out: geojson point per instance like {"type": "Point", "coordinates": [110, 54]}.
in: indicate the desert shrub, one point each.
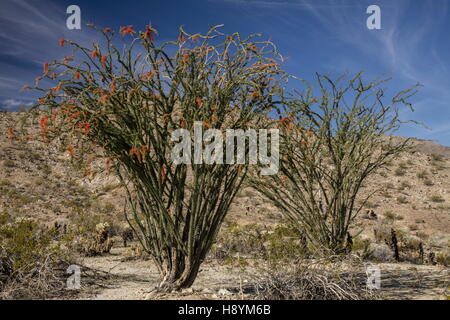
{"type": "Point", "coordinates": [437, 166]}
{"type": "Point", "coordinates": [246, 240]}
{"type": "Point", "coordinates": [437, 198]}
{"type": "Point", "coordinates": [91, 234]}
{"type": "Point", "coordinates": [5, 183]}
{"type": "Point", "coordinates": [389, 185]}
{"type": "Point", "coordinates": [437, 157]}
{"type": "Point", "coordinates": [402, 199]}
{"type": "Point", "coordinates": [362, 247]}
{"type": "Point", "coordinates": [311, 282]}
{"type": "Point", "coordinates": [360, 243]}
{"type": "Point", "coordinates": [127, 235]}
{"type": "Point", "coordinates": [101, 243]}
{"type": "Point", "coordinates": [403, 165]}
{"type": "Point", "coordinates": [382, 231]}
{"type": "Point", "coordinates": [285, 243]}
{"type": "Point", "coordinates": [136, 252]}
{"type": "Point", "coordinates": [422, 235]}
{"type": "Point", "coordinates": [110, 187]}
{"type": "Point", "coordinates": [255, 242]}
{"type": "Point", "coordinates": [410, 247]}
{"type": "Point", "coordinates": [422, 174]}
{"type": "Point", "coordinates": [404, 185]}
{"type": "Point", "coordinates": [389, 215]}
{"type": "Point", "coordinates": [329, 149]}
{"type": "Point", "coordinates": [443, 258]}
{"type": "Point", "coordinates": [33, 261]}
{"type": "Point", "coordinates": [9, 164]}
{"type": "Point", "coordinates": [386, 194]}
{"type": "Point", "coordinates": [409, 242]}
{"type": "Point", "coordinates": [399, 172]}
{"type": "Point", "coordinates": [443, 207]}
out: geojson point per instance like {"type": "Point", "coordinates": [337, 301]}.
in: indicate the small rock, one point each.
{"type": "Point", "coordinates": [207, 290]}
{"type": "Point", "coordinates": [187, 290]}
{"type": "Point", "coordinates": [224, 292]}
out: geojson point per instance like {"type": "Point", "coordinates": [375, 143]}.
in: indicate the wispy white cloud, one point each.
{"type": "Point", "coordinates": [409, 47]}
{"type": "Point", "coordinates": [399, 46]}
{"type": "Point", "coordinates": [284, 4]}
{"type": "Point", "coordinates": [31, 31]}
{"type": "Point", "coordinates": [29, 36]}
{"type": "Point", "coordinates": [13, 104]}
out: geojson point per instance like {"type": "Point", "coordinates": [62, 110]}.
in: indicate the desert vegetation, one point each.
{"type": "Point", "coordinates": [330, 149]}
{"type": "Point", "coordinates": [88, 178]}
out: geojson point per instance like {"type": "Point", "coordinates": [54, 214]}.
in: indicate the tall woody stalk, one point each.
{"type": "Point", "coordinates": [125, 104]}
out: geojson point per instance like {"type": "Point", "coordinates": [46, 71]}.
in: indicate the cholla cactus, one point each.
{"type": "Point", "coordinates": [123, 105]}
{"type": "Point", "coordinates": [101, 243]}
{"type": "Point", "coordinates": [102, 228]}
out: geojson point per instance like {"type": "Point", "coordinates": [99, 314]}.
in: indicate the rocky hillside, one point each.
{"type": "Point", "coordinates": [40, 181]}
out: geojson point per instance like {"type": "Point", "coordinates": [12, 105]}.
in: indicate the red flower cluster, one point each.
{"type": "Point", "coordinates": [43, 123]}
{"type": "Point", "coordinates": [86, 126]}
{"type": "Point", "coordinates": [74, 116]}
{"type": "Point", "coordinates": [127, 30]}
{"type": "Point", "coordinates": [285, 121]}
{"type": "Point", "coordinates": [149, 75]}
{"type": "Point", "coordinates": [70, 150]}
{"type": "Point", "coordinates": [304, 143]}
{"type": "Point", "coordinates": [94, 54]}
{"type": "Point", "coordinates": [103, 61]}
{"type": "Point", "coordinates": [10, 133]}
{"type": "Point", "coordinates": [255, 95]}
{"type": "Point", "coordinates": [144, 150]}
{"type": "Point", "coordinates": [137, 153]}
{"type": "Point", "coordinates": [149, 33]}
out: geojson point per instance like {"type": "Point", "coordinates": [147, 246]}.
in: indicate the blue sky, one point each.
{"type": "Point", "coordinates": [317, 35]}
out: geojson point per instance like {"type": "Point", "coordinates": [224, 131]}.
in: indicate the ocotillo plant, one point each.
{"type": "Point", "coordinates": [332, 141]}
{"type": "Point", "coordinates": [123, 105]}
